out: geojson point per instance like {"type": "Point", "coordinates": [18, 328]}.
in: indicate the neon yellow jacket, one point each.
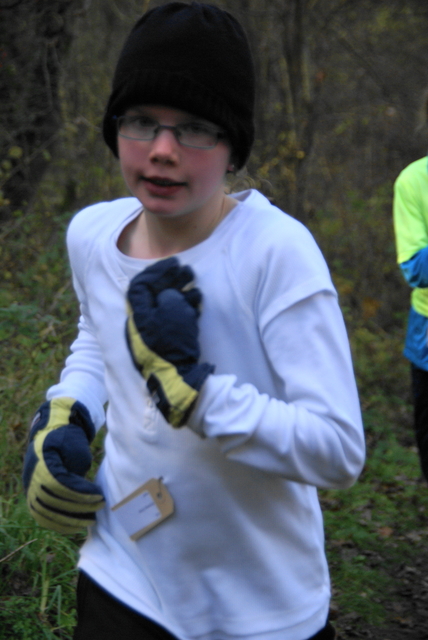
{"type": "Point", "coordinates": [411, 228]}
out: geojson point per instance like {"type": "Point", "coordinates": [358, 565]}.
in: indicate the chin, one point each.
{"type": "Point", "coordinates": [162, 212]}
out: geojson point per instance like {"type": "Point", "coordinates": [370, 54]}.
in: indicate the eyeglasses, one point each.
{"type": "Point", "coordinates": [188, 134]}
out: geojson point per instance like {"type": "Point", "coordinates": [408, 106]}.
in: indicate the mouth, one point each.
{"type": "Point", "coordinates": [163, 182]}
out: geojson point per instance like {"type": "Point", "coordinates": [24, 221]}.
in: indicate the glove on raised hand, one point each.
{"type": "Point", "coordinates": [57, 459]}
{"type": "Point", "coordinates": [162, 335]}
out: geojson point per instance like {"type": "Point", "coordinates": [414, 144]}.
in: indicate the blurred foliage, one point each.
{"type": "Point", "coordinates": [34, 39]}
{"type": "Point", "coordinates": [340, 85]}
{"type": "Point", "coordinates": [357, 240]}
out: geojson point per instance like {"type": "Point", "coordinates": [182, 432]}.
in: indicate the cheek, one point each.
{"type": "Point", "coordinates": [208, 177]}
{"type": "Point", "coordinates": [212, 169]}
{"type": "Point", "coordinates": [129, 154]}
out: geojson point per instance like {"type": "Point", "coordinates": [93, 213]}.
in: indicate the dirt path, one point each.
{"type": "Point", "coordinates": [406, 604]}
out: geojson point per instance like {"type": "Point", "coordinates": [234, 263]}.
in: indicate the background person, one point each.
{"type": "Point", "coordinates": [410, 209]}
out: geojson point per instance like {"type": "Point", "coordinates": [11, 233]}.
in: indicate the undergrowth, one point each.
{"type": "Point", "coordinates": [378, 522]}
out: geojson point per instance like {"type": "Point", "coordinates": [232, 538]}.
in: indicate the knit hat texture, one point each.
{"type": "Point", "coordinates": [193, 57]}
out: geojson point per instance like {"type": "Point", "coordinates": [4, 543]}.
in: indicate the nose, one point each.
{"type": "Point", "coordinates": [164, 147]}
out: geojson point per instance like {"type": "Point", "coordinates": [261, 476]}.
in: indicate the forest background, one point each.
{"type": "Point", "coordinates": [341, 111]}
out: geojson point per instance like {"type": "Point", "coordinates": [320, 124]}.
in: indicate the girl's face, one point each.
{"type": "Point", "coordinates": [169, 179]}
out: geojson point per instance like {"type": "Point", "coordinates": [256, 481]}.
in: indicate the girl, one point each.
{"type": "Point", "coordinates": [211, 329]}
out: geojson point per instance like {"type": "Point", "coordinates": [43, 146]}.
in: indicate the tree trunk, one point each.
{"type": "Point", "coordinates": [34, 37]}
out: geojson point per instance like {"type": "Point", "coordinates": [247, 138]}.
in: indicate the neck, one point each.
{"type": "Point", "coordinates": [151, 236]}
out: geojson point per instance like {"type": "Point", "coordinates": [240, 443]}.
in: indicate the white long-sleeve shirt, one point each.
{"type": "Point", "coordinates": [243, 553]}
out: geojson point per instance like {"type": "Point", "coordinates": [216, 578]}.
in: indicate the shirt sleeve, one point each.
{"type": "Point", "coordinates": [312, 432]}
{"type": "Point", "coordinates": [411, 234]}
{"type": "Point", "coordinates": [83, 375]}
{"type": "Point", "coordinates": [415, 270]}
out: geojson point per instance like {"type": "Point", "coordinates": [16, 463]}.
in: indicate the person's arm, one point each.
{"type": "Point", "coordinates": [410, 228]}
{"type": "Point", "coordinates": [410, 233]}
{"type": "Point", "coordinates": [313, 432]}
{"type": "Point", "coordinates": [58, 454]}
{"type": "Point", "coordinates": [83, 375]}
{"type": "Point", "coordinates": [415, 270]}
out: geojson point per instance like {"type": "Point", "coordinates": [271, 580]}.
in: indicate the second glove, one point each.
{"type": "Point", "coordinates": [162, 335]}
{"type": "Point", "coordinates": [57, 458]}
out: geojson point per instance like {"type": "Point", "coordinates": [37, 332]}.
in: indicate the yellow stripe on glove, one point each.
{"type": "Point", "coordinates": [162, 378]}
{"type": "Point", "coordinates": [162, 334]}
{"type": "Point", "coordinates": [57, 458]}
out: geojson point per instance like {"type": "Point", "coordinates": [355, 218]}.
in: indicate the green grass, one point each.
{"type": "Point", "coordinates": [37, 323]}
{"type": "Point", "coordinates": [370, 528]}
{"type": "Point", "coordinates": [379, 524]}
{"type": "Point", "coordinates": [37, 590]}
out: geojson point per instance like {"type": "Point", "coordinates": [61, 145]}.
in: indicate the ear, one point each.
{"type": "Point", "coordinates": [232, 165]}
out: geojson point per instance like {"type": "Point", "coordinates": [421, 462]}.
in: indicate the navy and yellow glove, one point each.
{"type": "Point", "coordinates": [56, 461]}
{"type": "Point", "coordinates": [162, 335]}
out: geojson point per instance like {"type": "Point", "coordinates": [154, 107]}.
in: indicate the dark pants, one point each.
{"type": "Point", "coordinates": [101, 617]}
{"type": "Point", "coordinates": [420, 399]}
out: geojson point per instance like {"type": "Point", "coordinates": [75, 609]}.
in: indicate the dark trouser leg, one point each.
{"type": "Point", "coordinates": [328, 633]}
{"type": "Point", "coordinates": [101, 617]}
{"type": "Point", "coordinates": [420, 399]}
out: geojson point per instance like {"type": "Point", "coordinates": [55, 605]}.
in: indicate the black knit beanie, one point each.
{"type": "Point", "coordinates": [193, 57]}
